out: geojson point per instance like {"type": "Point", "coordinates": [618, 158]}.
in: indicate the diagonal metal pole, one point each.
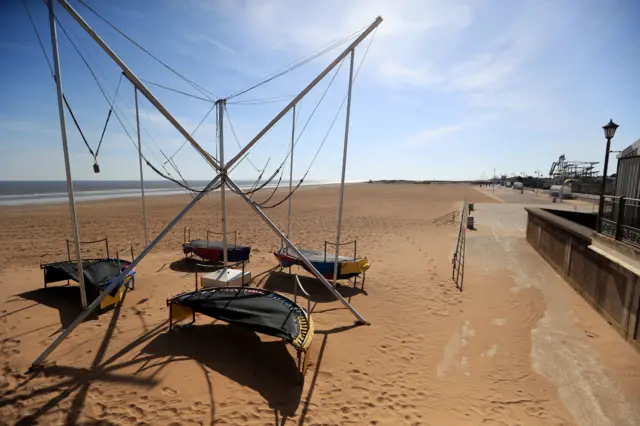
{"type": "Point", "coordinates": [344, 169]}
{"type": "Point", "coordinates": [136, 82]}
{"type": "Point", "coordinates": [223, 199]}
{"type": "Point", "coordinates": [65, 150]}
{"type": "Point", "coordinates": [293, 134]}
{"type": "Point", "coordinates": [144, 207]}
{"type": "Point", "coordinates": [41, 359]}
{"type": "Point", "coordinates": [306, 90]}
{"type": "Point", "coordinates": [293, 248]}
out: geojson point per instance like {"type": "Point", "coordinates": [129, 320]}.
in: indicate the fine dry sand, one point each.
{"type": "Point", "coordinates": [124, 367]}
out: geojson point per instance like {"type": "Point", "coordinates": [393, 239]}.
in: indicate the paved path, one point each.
{"type": "Point", "coordinates": [591, 371]}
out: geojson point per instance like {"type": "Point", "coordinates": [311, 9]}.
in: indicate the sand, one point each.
{"type": "Point", "coordinates": [410, 366]}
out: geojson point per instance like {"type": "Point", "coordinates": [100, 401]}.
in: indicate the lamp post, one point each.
{"type": "Point", "coordinates": [609, 133]}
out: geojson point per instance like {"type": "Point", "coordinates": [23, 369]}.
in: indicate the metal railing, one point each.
{"type": "Point", "coordinates": [457, 260]}
{"type": "Point", "coordinates": [621, 219]}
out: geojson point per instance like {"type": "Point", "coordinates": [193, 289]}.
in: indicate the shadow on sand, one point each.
{"type": "Point", "coordinates": [239, 354]}
{"type": "Point", "coordinates": [284, 283]}
{"type": "Point", "coordinates": [66, 299]}
{"type": "Point", "coordinates": [191, 265]}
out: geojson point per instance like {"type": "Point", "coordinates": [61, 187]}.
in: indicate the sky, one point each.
{"type": "Point", "coordinates": [447, 89]}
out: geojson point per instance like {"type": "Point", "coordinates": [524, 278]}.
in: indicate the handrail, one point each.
{"type": "Point", "coordinates": [295, 294]}
{"type": "Point", "coordinates": [341, 244]}
{"type": "Point", "coordinates": [457, 259]}
{"type": "Point", "coordinates": [130, 248]}
{"type": "Point", "coordinates": [68, 242]}
{"type": "Point", "coordinates": [355, 248]}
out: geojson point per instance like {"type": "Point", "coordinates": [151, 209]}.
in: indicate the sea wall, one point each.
{"type": "Point", "coordinates": [611, 289]}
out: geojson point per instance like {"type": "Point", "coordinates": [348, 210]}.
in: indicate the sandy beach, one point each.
{"type": "Point", "coordinates": [432, 355]}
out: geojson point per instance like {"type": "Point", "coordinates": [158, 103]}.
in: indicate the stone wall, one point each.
{"type": "Point", "coordinates": [611, 289]}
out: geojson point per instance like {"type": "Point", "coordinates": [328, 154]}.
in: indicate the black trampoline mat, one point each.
{"type": "Point", "coordinates": [316, 256]}
{"type": "Point", "coordinates": [203, 244]}
{"type": "Point", "coordinates": [96, 272]}
{"type": "Point", "coordinates": [256, 309]}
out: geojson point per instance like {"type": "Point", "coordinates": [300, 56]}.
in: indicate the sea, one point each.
{"type": "Point", "coordinates": [20, 193]}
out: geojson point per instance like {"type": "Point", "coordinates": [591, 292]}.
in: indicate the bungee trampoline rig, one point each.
{"type": "Point", "coordinates": [256, 308]}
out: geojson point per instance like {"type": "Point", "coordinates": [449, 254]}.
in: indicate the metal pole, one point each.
{"type": "Point", "coordinates": [136, 82]}
{"type": "Point", "coordinates": [304, 260]}
{"type": "Point", "coordinates": [65, 150]}
{"type": "Point", "coordinates": [223, 201]}
{"type": "Point", "coordinates": [293, 132]}
{"type": "Point", "coordinates": [344, 169]}
{"type": "Point", "coordinates": [493, 182]}
{"type": "Point", "coordinates": [123, 274]}
{"type": "Point", "coordinates": [603, 185]}
{"type": "Point", "coordinates": [144, 208]}
{"type": "Point", "coordinates": [306, 90]}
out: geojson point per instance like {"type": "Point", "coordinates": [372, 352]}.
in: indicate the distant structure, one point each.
{"type": "Point", "coordinates": [565, 169]}
{"type": "Point", "coordinates": [580, 176]}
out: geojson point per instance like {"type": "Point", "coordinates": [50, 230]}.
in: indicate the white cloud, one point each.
{"type": "Point", "coordinates": [479, 49]}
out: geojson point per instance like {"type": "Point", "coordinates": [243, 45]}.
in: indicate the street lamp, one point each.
{"type": "Point", "coordinates": [609, 132]}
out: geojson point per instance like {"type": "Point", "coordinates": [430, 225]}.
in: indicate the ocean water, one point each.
{"type": "Point", "coordinates": [19, 193]}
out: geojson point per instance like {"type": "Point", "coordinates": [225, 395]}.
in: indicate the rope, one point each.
{"type": "Point", "coordinates": [176, 90]}
{"type": "Point", "coordinates": [188, 188]}
{"type": "Point", "coordinates": [95, 157]}
{"type": "Point", "coordinates": [306, 123]}
{"type": "Point", "coordinates": [185, 185]}
{"type": "Point", "coordinates": [273, 192]}
{"type": "Point", "coordinates": [263, 100]}
{"type": "Point", "coordinates": [297, 65]}
{"type": "Point", "coordinates": [199, 88]}
{"type": "Point", "coordinates": [124, 115]}
{"type": "Point", "coordinates": [66, 102]}
{"type": "Point", "coordinates": [35, 30]}
{"type": "Point", "coordinates": [107, 99]}
{"type": "Point", "coordinates": [326, 135]}
{"type": "Point", "coordinates": [192, 133]}
{"type": "Point", "coordinates": [236, 136]}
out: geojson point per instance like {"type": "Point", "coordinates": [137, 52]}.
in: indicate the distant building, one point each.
{"type": "Point", "coordinates": [628, 174]}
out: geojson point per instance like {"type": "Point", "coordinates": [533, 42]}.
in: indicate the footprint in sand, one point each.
{"type": "Point", "coordinates": [200, 406]}
{"type": "Point", "coordinates": [96, 392]}
{"type": "Point", "coordinates": [169, 392]}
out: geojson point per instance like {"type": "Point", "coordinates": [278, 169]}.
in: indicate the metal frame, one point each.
{"type": "Point", "coordinates": [221, 168]}
{"type": "Point", "coordinates": [344, 170]}
{"type": "Point", "coordinates": [144, 207]}
{"type": "Point", "coordinates": [458, 257]}
{"type": "Point", "coordinates": [65, 150]}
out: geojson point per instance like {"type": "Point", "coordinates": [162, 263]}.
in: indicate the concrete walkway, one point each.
{"type": "Point", "coordinates": [595, 373]}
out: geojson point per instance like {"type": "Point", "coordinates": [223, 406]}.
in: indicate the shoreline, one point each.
{"type": "Point", "coordinates": [48, 199]}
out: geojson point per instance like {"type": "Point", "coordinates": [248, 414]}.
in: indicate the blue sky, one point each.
{"type": "Point", "coordinates": [449, 89]}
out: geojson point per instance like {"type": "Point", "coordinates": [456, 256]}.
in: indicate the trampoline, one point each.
{"type": "Point", "coordinates": [213, 250]}
{"type": "Point", "coordinates": [348, 267]}
{"type": "Point", "coordinates": [98, 274]}
{"type": "Point", "coordinates": [256, 309]}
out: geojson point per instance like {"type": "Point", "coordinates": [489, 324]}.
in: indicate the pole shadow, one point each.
{"type": "Point", "coordinates": [284, 283]}
{"type": "Point", "coordinates": [240, 355]}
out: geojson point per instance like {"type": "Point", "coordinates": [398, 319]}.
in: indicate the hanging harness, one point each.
{"type": "Point", "coordinates": [96, 166]}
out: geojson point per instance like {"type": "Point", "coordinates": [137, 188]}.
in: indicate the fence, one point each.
{"type": "Point", "coordinates": [457, 260]}
{"type": "Point", "coordinates": [621, 219]}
